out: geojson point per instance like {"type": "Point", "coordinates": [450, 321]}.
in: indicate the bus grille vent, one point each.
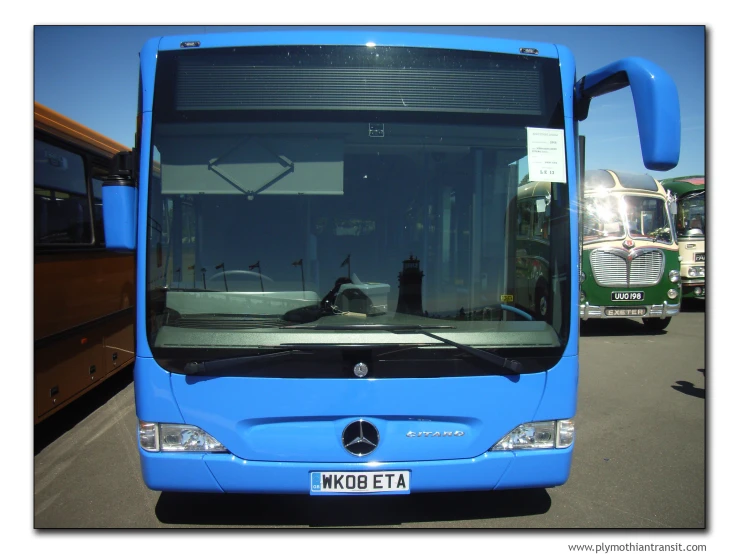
{"type": "Point", "coordinates": [611, 268]}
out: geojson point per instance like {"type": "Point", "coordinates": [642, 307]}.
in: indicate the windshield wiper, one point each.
{"type": "Point", "coordinates": [238, 365]}
{"type": "Point", "coordinates": [229, 365]}
{"type": "Point", "coordinates": [513, 366]}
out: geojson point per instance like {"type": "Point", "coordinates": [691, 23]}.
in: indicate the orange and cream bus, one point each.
{"type": "Point", "coordinates": [83, 293]}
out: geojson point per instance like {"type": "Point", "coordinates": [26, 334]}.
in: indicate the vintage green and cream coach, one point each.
{"type": "Point", "coordinates": [630, 260]}
{"type": "Point", "coordinates": [690, 224]}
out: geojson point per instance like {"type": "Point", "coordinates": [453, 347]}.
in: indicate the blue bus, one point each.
{"type": "Point", "coordinates": [326, 228]}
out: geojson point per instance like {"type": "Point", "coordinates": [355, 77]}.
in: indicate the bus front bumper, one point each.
{"type": "Point", "coordinates": [193, 472]}
{"type": "Point", "coordinates": [694, 288]}
{"type": "Point", "coordinates": [661, 311]}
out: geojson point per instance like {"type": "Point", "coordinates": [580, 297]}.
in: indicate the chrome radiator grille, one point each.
{"type": "Point", "coordinates": [613, 268]}
{"type": "Point", "coordinates": [647, 269]}
{"type": "Point", "coordinates": [608, 268]}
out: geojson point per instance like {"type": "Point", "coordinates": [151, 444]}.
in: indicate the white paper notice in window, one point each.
{"type": "Point", "coordinates": [546, 149]}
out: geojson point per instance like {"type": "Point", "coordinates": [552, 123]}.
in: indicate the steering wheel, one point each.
{"type": "Point", "coordinates": [244, 272]}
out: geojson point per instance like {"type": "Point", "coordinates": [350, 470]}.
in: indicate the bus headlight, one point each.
{"type": "Point", "coordinates": [701, 271]}
{"type": "Point", "coordinates": [565, 433]}
{"type": "Point", "coordinates": [672, 293]}
{"type": "Point", "coordinates": [674, 275]}
{"type": "Point", "coordinates": [149, 436]}
{"type": "Point", "coordinates": [582, 276]}
{"type": "Point", "coordinates": [176, 437]}
{"type": "Point", "coordinates": [538, 434]}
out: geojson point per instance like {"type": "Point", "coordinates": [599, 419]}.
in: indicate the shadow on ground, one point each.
{"type": "Point", "coordinates": [686, 387]}
{"type": "Point", "coordinates": [65, 419]}
{"type": "Point", "coordinates": [305, 510]}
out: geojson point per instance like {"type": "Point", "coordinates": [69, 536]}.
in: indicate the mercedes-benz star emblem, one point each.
{"type": "Point", "coordinates": [360, 437]}
{"type": "Point", "coordinates": [361, 369]}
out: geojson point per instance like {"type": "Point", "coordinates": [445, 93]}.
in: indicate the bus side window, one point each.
{"type": "Point", "coordinates": [61, 206]}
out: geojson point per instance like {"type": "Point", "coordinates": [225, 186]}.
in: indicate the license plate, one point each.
{"type": "Point", "coordinates": [353, 482]}
{"type": "Point", "coordinates": [625, 296]}
{"type": "Point", "coordinates": [700, 257]}
{"type": "Point", "coordinates": [628, 312]}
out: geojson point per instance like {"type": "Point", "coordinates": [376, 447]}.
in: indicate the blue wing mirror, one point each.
{"type": "Point", "coordinates": [655, 101]}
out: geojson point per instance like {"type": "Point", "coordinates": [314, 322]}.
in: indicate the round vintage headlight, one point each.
{"type": "Point", "coordinates": [701, 271]}
{"type": "Point", "coordinates": [674, 275]}
{"type": "Point", "coordinates": [582, 276]}
{"type": "Point", "coordinates": [692, 272]}
{"type": "Point", "coordinates": [672, 293]}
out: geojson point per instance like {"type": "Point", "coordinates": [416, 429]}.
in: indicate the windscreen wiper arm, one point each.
{"type": "Point", "coordinates": [229, 365]}
{"type": "Point", "coordinates": [237, 365]}
{"type": "Point", "coordinates": [513, 366]}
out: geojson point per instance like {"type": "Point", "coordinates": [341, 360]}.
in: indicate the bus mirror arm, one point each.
{"type": "Point", "coordinates": [121, 166]}
{"type": "Point", "coordinates": [584, 95]}
{"type": "Point", "coordinates": [655, 101]}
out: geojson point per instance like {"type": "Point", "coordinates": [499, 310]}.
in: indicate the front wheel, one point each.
{"type": "Point", "coordinates": [656, 324]}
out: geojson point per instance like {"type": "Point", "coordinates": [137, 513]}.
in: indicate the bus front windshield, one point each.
{"type": "Point", "coordinates": [265, 231]}
{"type": "Point", "coordinates": [691, 215]}
{"type": "Point", "coordinates": [613, 216]}
{"type": "Point", "coordinates": [647, 218]}
{"type": "Point", "coordinates": [603, 219]}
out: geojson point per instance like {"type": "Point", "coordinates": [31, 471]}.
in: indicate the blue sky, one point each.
{"type": "Point", "coordinates": [90, 74]}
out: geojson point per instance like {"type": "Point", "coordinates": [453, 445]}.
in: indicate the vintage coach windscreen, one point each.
{"type": "Point", "coordinates": [691, 216]}
{"type": "Point", "coordinates": [346, 195]}
{"type": "Point", "coordinates": [609, 217]}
